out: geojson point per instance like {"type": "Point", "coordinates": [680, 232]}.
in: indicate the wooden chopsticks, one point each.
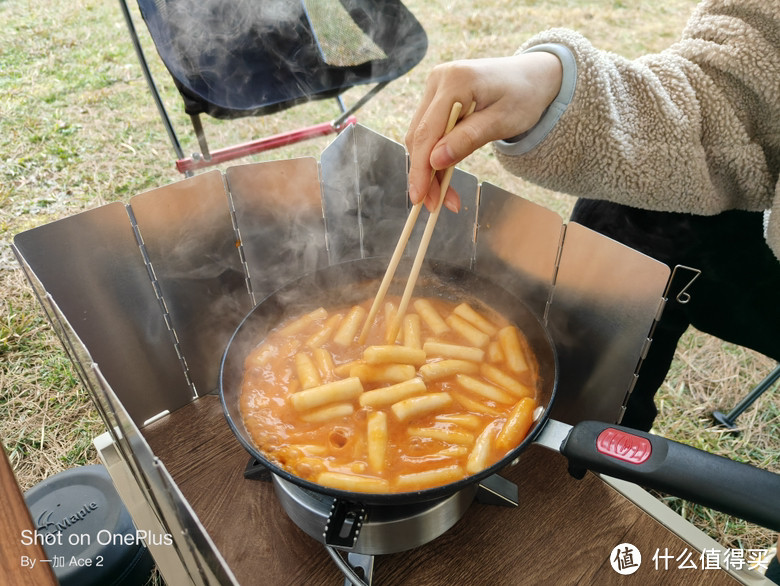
{"type": "Point", "coordinates": [394, 328]}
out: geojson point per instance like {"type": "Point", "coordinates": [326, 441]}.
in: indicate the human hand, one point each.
{"type": "Point", "coordinates": [511, 94]}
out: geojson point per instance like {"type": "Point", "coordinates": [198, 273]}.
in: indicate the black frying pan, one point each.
{"type": "Point", "coordinates": [651, 461]}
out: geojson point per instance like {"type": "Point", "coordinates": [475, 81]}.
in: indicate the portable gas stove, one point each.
{"type": "Point", "coordinates": [365, 531]}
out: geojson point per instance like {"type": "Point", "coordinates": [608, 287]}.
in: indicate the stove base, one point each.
{"type": "Point", "coordinates": [385, 529]}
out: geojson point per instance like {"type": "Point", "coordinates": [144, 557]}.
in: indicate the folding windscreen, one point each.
{"type": "Point", "coordinates": [146, 295]}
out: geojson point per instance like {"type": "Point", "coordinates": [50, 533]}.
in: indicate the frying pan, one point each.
{"type": "Point", "coordinates": [734, 488]}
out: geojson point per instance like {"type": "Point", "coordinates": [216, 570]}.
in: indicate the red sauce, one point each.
{"type": "Point", "coordinates": [308, 399]}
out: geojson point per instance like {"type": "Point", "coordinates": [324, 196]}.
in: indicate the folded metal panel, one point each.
{"type": "Point", "coordinates": [278, 213]}
{"type": "Point", "coordinates": [364, 194]}
{"type": "Point", "coordinates": [90, 264]}
{"type": "Point", "coordinates": [606, 299]}
{"type": "Point", "coordinates": [191, 248]}
{"type": "Point", "coordinates": [518, 244]}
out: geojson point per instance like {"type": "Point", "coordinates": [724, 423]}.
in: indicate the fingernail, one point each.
{"type": "Point", "coordinates": [441, 157]}
{"type": "Point", "coordinates": [451, 205]}
{"type": "Point", "coordinates": [414, 194]}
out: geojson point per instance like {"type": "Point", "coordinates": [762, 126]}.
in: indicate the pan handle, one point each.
{"type": "Point", "coordinates": [737, 489]}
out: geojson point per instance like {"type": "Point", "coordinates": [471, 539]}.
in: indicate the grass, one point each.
{"type": "Point", "coordinates": [709, 375]}
{"type": "Point", "coordinates": [78, 129]}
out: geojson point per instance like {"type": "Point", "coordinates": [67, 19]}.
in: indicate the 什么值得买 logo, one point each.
{"type": "Point", "coordinates": [625, 559]}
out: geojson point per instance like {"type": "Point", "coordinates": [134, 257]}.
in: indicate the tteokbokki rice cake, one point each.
{"type": "Point", "coordinates": [451, 396]}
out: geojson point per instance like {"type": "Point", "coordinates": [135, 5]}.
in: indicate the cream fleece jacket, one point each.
{"type": "Point", "coordinates": [695, 128]}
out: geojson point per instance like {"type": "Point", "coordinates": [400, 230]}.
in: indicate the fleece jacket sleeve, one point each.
{"type": "Point", "coordinates": [695, 128]}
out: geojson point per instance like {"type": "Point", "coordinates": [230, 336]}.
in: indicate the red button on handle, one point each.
{"type": "Point", "coordinates": [623, 446]}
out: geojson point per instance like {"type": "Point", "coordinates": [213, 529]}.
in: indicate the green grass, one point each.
{"type": "Point", "coordinates": [78, 129]}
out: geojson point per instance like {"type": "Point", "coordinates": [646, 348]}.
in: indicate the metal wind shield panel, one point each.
{"type": "Point", "coordinates": [90, 265]}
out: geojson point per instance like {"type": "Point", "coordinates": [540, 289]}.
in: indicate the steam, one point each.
{"type": "Point", "coordinates": [252, 55]}
{"type": "Point", "coordinates": [204, 24]}
{"type": "Point", "coordinates": [341, 40]}
{"type": "Point", "coordinates": [222, 44]}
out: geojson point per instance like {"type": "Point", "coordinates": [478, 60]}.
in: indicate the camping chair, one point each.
{"type": "Point", "coordinates": [232, 59]}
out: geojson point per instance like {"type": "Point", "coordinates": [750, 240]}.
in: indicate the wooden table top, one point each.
{"type": "Point", "coordinates": [563, 531]}
{"type": "Point", "coordinates": [20, 556]}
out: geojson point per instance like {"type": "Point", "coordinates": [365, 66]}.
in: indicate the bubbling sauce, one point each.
{"type": "Point", "coordinates": [451, 396]}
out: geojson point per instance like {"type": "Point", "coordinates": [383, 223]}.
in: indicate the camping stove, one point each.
{"type": "Point", "coordinates": [370, 529]}
{"type": "Point", "coordinates": [360, 532]}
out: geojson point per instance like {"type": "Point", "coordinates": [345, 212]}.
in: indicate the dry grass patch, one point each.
{"type": "Point", "coordinates": [709, 375]}
{"type": "Point", "coordinates": [48, 421]}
